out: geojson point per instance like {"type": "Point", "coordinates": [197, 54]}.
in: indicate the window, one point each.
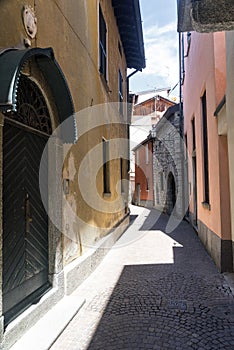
{"type": "Point", "coordinates": [161, 181]}
{"type": "Point", "coordinates": [120, 49]}
{"type": "Point", "coordinates": [122, 174]}
{"type": "Point", "coordinates": [147, 184]}
{"type": "Point", "coordinates": [106, 166]}
{"type": "Point", "coordinates": [102, 45]}
{"type": "Point", "coordinates": [147, 153]}
{"type": "Point", "coordinates": [194, 134]}
{"type": "Point", "coordinates": [137, 157]}
{"type": "Point", "coordinates": [205, 150]}
{"type": "Point", "coordinates": [186, 146]}
{"type": "Point", "coordinates": [120, 93]}
{"type": "Point", "coordinates": [188, 42]}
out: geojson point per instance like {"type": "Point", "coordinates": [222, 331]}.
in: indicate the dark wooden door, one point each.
{"type": "Point", "coordinates": [25, 221]}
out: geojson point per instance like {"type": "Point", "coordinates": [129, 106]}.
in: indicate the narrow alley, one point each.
{"type": "Point", "coordinates": [153, 291]}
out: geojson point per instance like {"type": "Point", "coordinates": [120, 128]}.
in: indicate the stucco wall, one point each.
{"type": "Point", "coordinates": [205, 70]}
{"type": "Point", "coordinates": [71, 29]}
{"type": "Point", "coordinates": [230, 123]}
{"type": "Point", "coordinates": [144, 171]}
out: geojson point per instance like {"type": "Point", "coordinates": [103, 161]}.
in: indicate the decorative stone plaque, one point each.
{"type": "Point", "coordinates": [30, 21]}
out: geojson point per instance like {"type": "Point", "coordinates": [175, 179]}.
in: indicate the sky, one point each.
{"type": "Point", "coordinates": [159, 19]}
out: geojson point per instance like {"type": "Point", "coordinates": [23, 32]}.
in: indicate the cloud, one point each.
{"type": "Point", "coordinates": [156, 30]}
{"type": "Point", "coordinates": [161, 52]}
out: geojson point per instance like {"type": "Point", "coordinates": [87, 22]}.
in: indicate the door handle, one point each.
{"type": "Point", "coordinates": [28, 218]}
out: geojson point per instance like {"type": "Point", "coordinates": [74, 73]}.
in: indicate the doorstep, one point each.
{"type": "Point", "coordinates": [45, 332]}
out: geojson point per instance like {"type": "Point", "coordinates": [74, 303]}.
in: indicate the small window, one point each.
{"type": "Point", "coordinates": [147, 153]}
{"type": "Point", "coordinates": [120, 93]}
{"type": "Point", "coordinates": [205, 150]}
{"type": "Point", "coordinates": [120, 49]}
{"type": "Point", "coordinates": [188, 41]}
{"type": "Point", "coordinates": [147, 184]}
{"type": "Point", "coordinates": [122, 174]}
{"type": "Point", "coordinates": [137, 160]}
{"type": "Point", "coordinates": [186, 146]}
{"type": "Point", "coordinates": [102, 45]}
{"type": "Point", "coordinates": [194, 134]}
{"type": "Point", "coordinates": [106, 166]}
{"type": "Point", "coordinates": [162, 181]}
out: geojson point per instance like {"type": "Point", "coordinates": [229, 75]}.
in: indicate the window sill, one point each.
{"type": "Point", "coordinates": [107, 194]}
{"type": "Point", "coordinates": [206, 205]}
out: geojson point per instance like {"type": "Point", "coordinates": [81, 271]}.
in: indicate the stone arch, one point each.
{"type": "Point", "coordinates": [12, 62]}
{"type": "Point", "coordinates": [38, 69]}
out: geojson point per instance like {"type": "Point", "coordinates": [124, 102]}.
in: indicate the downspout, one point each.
{"type": "Point", "coordinates": [129, 111]}
{"type": "Point", "coordinates": [183, 167]}
{"type": "Point", "coordinates": [181, 120]}
{"type": "Point", "coordinates": [181, 73]}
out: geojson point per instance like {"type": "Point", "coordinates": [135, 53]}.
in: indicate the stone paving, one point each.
{"type": "Point", "coordinates": [153, 291]}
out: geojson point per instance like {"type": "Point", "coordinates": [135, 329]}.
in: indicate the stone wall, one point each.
{"type": "Point", "coordinates": [168, 169]}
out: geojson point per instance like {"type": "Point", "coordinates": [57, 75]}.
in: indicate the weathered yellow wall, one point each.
{"type": "Point", "coordinates": [71, 29]}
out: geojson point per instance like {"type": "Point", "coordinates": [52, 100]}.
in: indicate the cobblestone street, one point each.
{"type": "Point", "coordinates": [153, 291]}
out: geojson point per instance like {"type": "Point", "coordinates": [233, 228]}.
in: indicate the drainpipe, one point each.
{"type": "Point", "coordinates": [181, 73]}
{"type": "Point", "coordinates": [181, 57]}
{"type": "Point", "coordinates": [184, 170]}
{"type": "Point", "coordinates": [127, 81]}
{"type": "Point", "coordinates": [128, 112]}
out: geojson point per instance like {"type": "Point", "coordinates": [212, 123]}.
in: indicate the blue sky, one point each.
{"type": "Point", "coordinates": [161, 46]}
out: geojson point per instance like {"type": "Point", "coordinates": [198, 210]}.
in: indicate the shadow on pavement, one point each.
{"type": "Point", "coordinates": [183, 305]}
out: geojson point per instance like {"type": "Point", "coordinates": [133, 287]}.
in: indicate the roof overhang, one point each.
{"type": "Point", "coordinates": [12, 62]}
{"type": "Point", "coordinates": [128, 17]}
{"type": "Point", "coordinates": [205, 15]}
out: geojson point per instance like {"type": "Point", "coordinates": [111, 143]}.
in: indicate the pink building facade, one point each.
{"type": "Point", "coordinates": [208, 170]}
{"type": "Point", "coordinates": [144, 193]}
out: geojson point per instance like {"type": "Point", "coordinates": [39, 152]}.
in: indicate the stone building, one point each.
{"type": "Point", "coordinates": [63, 78]}
{"type": "Point", "coordinates": [147, 111]}
{"type": "Point", "coordinates": [168, 158]}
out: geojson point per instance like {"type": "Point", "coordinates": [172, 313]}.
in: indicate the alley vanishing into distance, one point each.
{"type": "Point", "coordinates": [153, 291]}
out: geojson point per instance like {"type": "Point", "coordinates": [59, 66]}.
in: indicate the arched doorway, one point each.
{"type": "Point", "coordinates": [25, 221]}
{"type": "Point", "coordinates": [171, 193]}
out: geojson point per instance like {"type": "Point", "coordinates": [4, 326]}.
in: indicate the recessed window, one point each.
{"type": "Point", "coordinates": [205, 150]}
{"type": "Point", "coordinates": [102, 45]}
{"type": "Point", "coordinates": [106, 166]}
{"type": "Point", "coordinates": [122, 174]}
{"type": "Point", "coordinates": [162, 181]}
{"type": "Point", "coordinates": [194, 134]}
{"type": "Point", "coordinates": [120, 49]}
{"type": "Point", "coordinates": [120, 93]}
{"type": "Point", "coordinates": [186, 146]}
{"type": "Point", "coordinates": [137, 157]}
{"type": "Point", "coordinates": [147, 184]}
{"type": "Point", "coordinates": [147, 153]}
